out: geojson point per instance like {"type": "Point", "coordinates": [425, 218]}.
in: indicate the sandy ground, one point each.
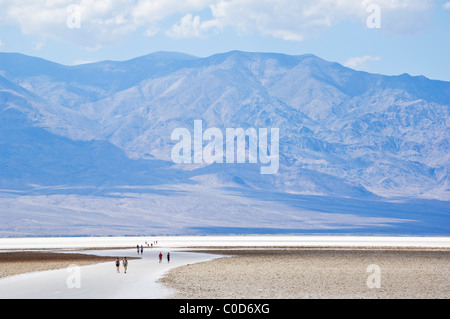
{"type": "Point", "coordinates": [315, 273]}
{"type": "Point", "coordinates": [15, 263]}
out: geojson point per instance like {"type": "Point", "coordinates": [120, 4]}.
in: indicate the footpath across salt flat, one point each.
{"type": "Point", "coordinates": [101, 281]}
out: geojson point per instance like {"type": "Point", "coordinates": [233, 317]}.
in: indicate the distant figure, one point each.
{"type": "Point", "coordinates": [160, 257]}
{"type": "Point", "coordinates": [168, 257]}
{"type": "Point", "coordinates": [137, 247]}
{"type": "Point", "coordinates": [142, 249]}
{"type": "Point", "coordinates": [118, 265]}
{"type": "Point", "coordinates": [151, 245]}
{"type": "Point", "coordinates": [125, 264]}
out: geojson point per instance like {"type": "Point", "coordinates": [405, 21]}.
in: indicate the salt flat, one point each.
{"type": "Point", "coordinates": [100, 281]}
{"type": "Point", "coordinates": [223, 241]}
{"type": "Point", "coordinates": [143, 279]}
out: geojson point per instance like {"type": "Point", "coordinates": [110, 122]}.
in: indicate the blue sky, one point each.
{"type": "Point", "coordinates": [380, 36]}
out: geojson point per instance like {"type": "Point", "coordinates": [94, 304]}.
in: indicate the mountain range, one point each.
{"type": "Point", "coordinates": [104, 129]}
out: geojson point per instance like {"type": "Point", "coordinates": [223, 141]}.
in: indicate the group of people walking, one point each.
{"type": "Point", "coordinates": [124, 262]}
{"type": "Point", "coordinates": [160, 256]}
{"type": "Point", "coordinates": [140, 250]}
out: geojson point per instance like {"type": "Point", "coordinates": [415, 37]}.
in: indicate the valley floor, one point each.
{"type": "Point", "coordinates": [227, 267]}
{"type": "Point", "coordinates": [316, 273]}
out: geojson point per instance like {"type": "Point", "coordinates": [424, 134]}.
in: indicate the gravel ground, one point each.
{"type": "Point", "coordinates": [315, 273]}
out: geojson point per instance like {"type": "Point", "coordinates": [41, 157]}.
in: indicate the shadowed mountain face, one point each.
{"type": "Point", "coordinates": [343, 133]}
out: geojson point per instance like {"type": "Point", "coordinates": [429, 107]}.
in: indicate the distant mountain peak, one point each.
{"type": "Point", "coordinates": [342, 131]}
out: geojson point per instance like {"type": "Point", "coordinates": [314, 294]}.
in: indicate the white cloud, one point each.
{"type": "Point", "coordinates": [298, 20]}
{"type": "Point", "coordinates": [192, 27]}
{"type": "Point", "coordinates": [108, 22]}
{"type": "Point", "coordinates": [285, 19]}
{"type": "Point", "coordinates": [103, 22]}
{"type": "Point", "coordinates": [446, 5]}
{"type": "Point", "coordinates": [360, 63]}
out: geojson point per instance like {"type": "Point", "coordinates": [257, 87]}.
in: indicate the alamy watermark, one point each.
{"type": "Point", "coordinates": [374, 279]}
{"type": "Point", "coordinates": [74, 19]}
{"type": "Point", "coordinates": [374, 19]}
{"type": "Point", "coordinates": [240, 145]}
{"type": "Point", "coordinates": [73, 280]}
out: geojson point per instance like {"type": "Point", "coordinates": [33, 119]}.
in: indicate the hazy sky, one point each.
{"type": "Point", "coordinates": [379, 36]}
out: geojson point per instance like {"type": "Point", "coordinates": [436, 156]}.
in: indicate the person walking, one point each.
{"type": "Point", "coordinates": [142, 249]}
{"type": "Point", "coordinates": [168, 257]}
{"type": "Point", "coordinates": [118, 265]}
{"type": "Point", "coordinates": [137, 247]}
{"type": "Point", "coordinates": [160, 257]}
{"type": "Point", "coordinates": [125, 264]}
